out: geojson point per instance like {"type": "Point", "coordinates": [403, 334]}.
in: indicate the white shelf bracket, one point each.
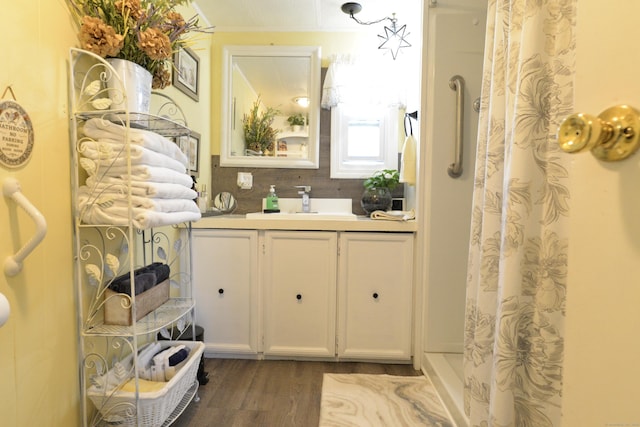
{"type": "Point", "coordinates": [11, 189]}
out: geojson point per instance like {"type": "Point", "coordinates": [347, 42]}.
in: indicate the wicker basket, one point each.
{"type": "Point", "coordinates": [119, 407]}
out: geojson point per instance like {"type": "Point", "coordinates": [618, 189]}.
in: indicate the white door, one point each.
{"type": "Point", "coordinates": [300, 293]}
{"type": "Point", "coordinates": [602, 352]}
{"type": "Point", "coordinates": [375, 292]}
{"type": "Point", "coordinates": [225, 276]}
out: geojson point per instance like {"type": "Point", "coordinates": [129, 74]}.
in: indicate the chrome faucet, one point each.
{"type": "Point", "coordinates": [304, 191]}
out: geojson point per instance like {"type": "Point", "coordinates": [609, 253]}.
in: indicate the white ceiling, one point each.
{"type": "Point", "coordinates": [299, 15]}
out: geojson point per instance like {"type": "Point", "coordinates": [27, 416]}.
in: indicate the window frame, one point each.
{"type": "Point", "coordinates": [347, 168]}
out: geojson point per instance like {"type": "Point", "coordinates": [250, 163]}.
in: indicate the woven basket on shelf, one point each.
{"type": "Point", "coordinates": [155, 407]}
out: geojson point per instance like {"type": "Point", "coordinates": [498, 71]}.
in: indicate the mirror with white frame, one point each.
{"type": "Point", "coordinates": [284, 82]}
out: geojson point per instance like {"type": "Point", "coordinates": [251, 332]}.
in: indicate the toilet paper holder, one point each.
{"type": "Point", "coordinates": [611, 136]}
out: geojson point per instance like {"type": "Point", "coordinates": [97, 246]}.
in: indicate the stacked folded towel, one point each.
{"type": "Point", "coordinates": [143, 180]}
{"type": "Point", "coordinates": [161, 364]}
{"type": "Point", "coordinates": [394, 215]}
{"type": "Point", "coordinates": [156, 365]}
{"type": "Point", "coordinates": [145, 278]}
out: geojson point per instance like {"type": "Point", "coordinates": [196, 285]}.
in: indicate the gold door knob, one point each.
{"type": "Point", "coordinates": [613, 135]}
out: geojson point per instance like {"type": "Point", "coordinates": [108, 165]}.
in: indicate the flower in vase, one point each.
{"type": "Point", "coordinates": [146, 32]}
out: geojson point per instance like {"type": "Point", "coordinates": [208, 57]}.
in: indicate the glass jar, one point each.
{"type": "Point", "coordinates": [376, 199]}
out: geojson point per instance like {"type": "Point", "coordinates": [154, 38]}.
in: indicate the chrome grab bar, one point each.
{"type": "Point", "coordinates": [457, 83]}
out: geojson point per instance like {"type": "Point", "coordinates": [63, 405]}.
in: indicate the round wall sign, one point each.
{"type": "Point", "coordinates": [16, 134]}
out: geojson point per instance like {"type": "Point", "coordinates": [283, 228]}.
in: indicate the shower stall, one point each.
{"type": "Point", "coordinates": [454, 32]}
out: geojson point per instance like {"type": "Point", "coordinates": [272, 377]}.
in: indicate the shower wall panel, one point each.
{"type": "Point", "coordinates": [455, 43]}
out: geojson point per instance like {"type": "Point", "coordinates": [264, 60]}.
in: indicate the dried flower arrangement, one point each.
{"type": "Point", "coordinates": [258, 133]}
{"type": "Point", "coordinates": [146, 32]}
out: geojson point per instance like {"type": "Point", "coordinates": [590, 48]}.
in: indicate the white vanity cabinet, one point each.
{"type": "Point", "coordinates": [333, 295]}
{"type": "Point", "coordinates": [375, 295]}
{"type": "Point", "coordinates": [226, 289]}
{"type": "Point", "coordinates": [299, 275]}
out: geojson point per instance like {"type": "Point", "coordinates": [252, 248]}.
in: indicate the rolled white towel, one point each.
{"type": "Point", "coordinates": [116, 201]}
{"type": "Point", "coordinates": [158, 190]}
{"type": "Point", "coordinates": [94, 213]}
{"type": "Point", "coordinates": [107, 155]}
{"type": "Point", "coordinates": [119, 205]}
{"type": "Point", "coordinates": [150, 219]}
{"type": "Point", "coordinates": [138, 172]}
{"type": "Point", "coordinates": [98, 128]}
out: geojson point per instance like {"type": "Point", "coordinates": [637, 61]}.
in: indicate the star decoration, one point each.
{"type": "Point", "coordinates": [394, 39]}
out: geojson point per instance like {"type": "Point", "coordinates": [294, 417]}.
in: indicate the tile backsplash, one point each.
{"type": "Point", "coordinates": [322, 186]}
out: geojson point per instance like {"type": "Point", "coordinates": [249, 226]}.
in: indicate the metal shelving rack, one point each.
{"type": "Point", "coordinates": [104, 251]}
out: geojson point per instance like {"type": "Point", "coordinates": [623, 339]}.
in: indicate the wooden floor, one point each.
{"type": "Point", "coordinates": [269, 393]}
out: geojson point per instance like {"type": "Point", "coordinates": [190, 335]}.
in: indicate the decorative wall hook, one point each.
{"type": "Point", "coordinates": [408, 117]}
{"type": "Point", "coordinates": [613, 135]}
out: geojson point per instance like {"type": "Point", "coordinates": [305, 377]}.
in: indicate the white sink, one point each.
{"type": "Point", "coordinates": [319, 209]}
{"type": "Point", "coordinates": [297, 216]}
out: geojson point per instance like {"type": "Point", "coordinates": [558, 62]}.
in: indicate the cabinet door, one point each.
{"type": "Point", "coordinates": [375, 295]}
{"type": "Point", "coordinates": [225, 270]}
{"type": "Point", "coordinates": [300, 293]}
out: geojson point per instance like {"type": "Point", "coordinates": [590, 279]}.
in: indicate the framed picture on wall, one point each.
{"type": "Point", "coordinates": [190, 146]}
{"type": "Point", "coordinates": [186, 74]}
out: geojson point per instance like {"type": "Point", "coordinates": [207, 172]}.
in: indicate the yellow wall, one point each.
{"type": "Point", "coordinates": [198, 113]}
{"type": "Point", "coordinates": [38, 367]}
{"type": "Point", "coordinates": [39, 383]}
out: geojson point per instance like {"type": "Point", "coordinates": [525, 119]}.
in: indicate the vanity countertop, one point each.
{"type": "Point", "coordinates": [362, 223]}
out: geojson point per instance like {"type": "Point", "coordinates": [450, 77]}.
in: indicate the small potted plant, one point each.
{"type": "Point", "coordinates": [378, 187]}
{"type": "Point", "coordinates": [296, 121]}
{"type": "Point", "coordinates": [259, 135]}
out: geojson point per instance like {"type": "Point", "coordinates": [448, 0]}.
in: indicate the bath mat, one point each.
{"type": "Point", "coordinates": [364, 400]}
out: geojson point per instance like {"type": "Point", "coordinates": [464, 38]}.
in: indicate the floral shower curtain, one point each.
{"type": "Point", "coordinates": [516, 284]}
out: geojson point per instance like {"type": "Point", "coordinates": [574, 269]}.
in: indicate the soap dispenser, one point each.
{"type": "Point", "coordinates": [272, 201]}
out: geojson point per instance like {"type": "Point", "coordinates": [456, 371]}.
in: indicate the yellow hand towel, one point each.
{"type": "Point", "coordinates": [408, 162]}
{"type": "Point", "coordinates": [145, 386]}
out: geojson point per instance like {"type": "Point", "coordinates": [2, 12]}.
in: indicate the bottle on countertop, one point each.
{"type": "Point", "coordinates": [203, 200]}
{"type": "Point", "coordinates": [272, 201]}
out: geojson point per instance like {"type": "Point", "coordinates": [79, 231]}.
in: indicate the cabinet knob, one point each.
{"type": "Point", "coordinates": [299, 297]}
{"type": "Point", "coordinates": [221, 291]}
{"type": "Point", "coordinates": [375, 295]}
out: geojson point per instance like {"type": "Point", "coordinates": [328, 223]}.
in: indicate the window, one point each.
{"type": "Point", "coordinates": [367, 98]}
{"type": "Point", "coordinates": [364, 139]}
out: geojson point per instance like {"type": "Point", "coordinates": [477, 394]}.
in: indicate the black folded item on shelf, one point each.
{"type": "Point", "coordinates": [145, 278]}
{"type": "Point", "coordinates": [178, 356]}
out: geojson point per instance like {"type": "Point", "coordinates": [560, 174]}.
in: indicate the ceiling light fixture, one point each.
{"type": "Point", "coordinates": [302, 101]}
{"type": "Point", "coordinates": [393, 38]}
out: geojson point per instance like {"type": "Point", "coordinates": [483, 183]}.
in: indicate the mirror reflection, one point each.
{"type": "Point", "coordinates": [271, 106]}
